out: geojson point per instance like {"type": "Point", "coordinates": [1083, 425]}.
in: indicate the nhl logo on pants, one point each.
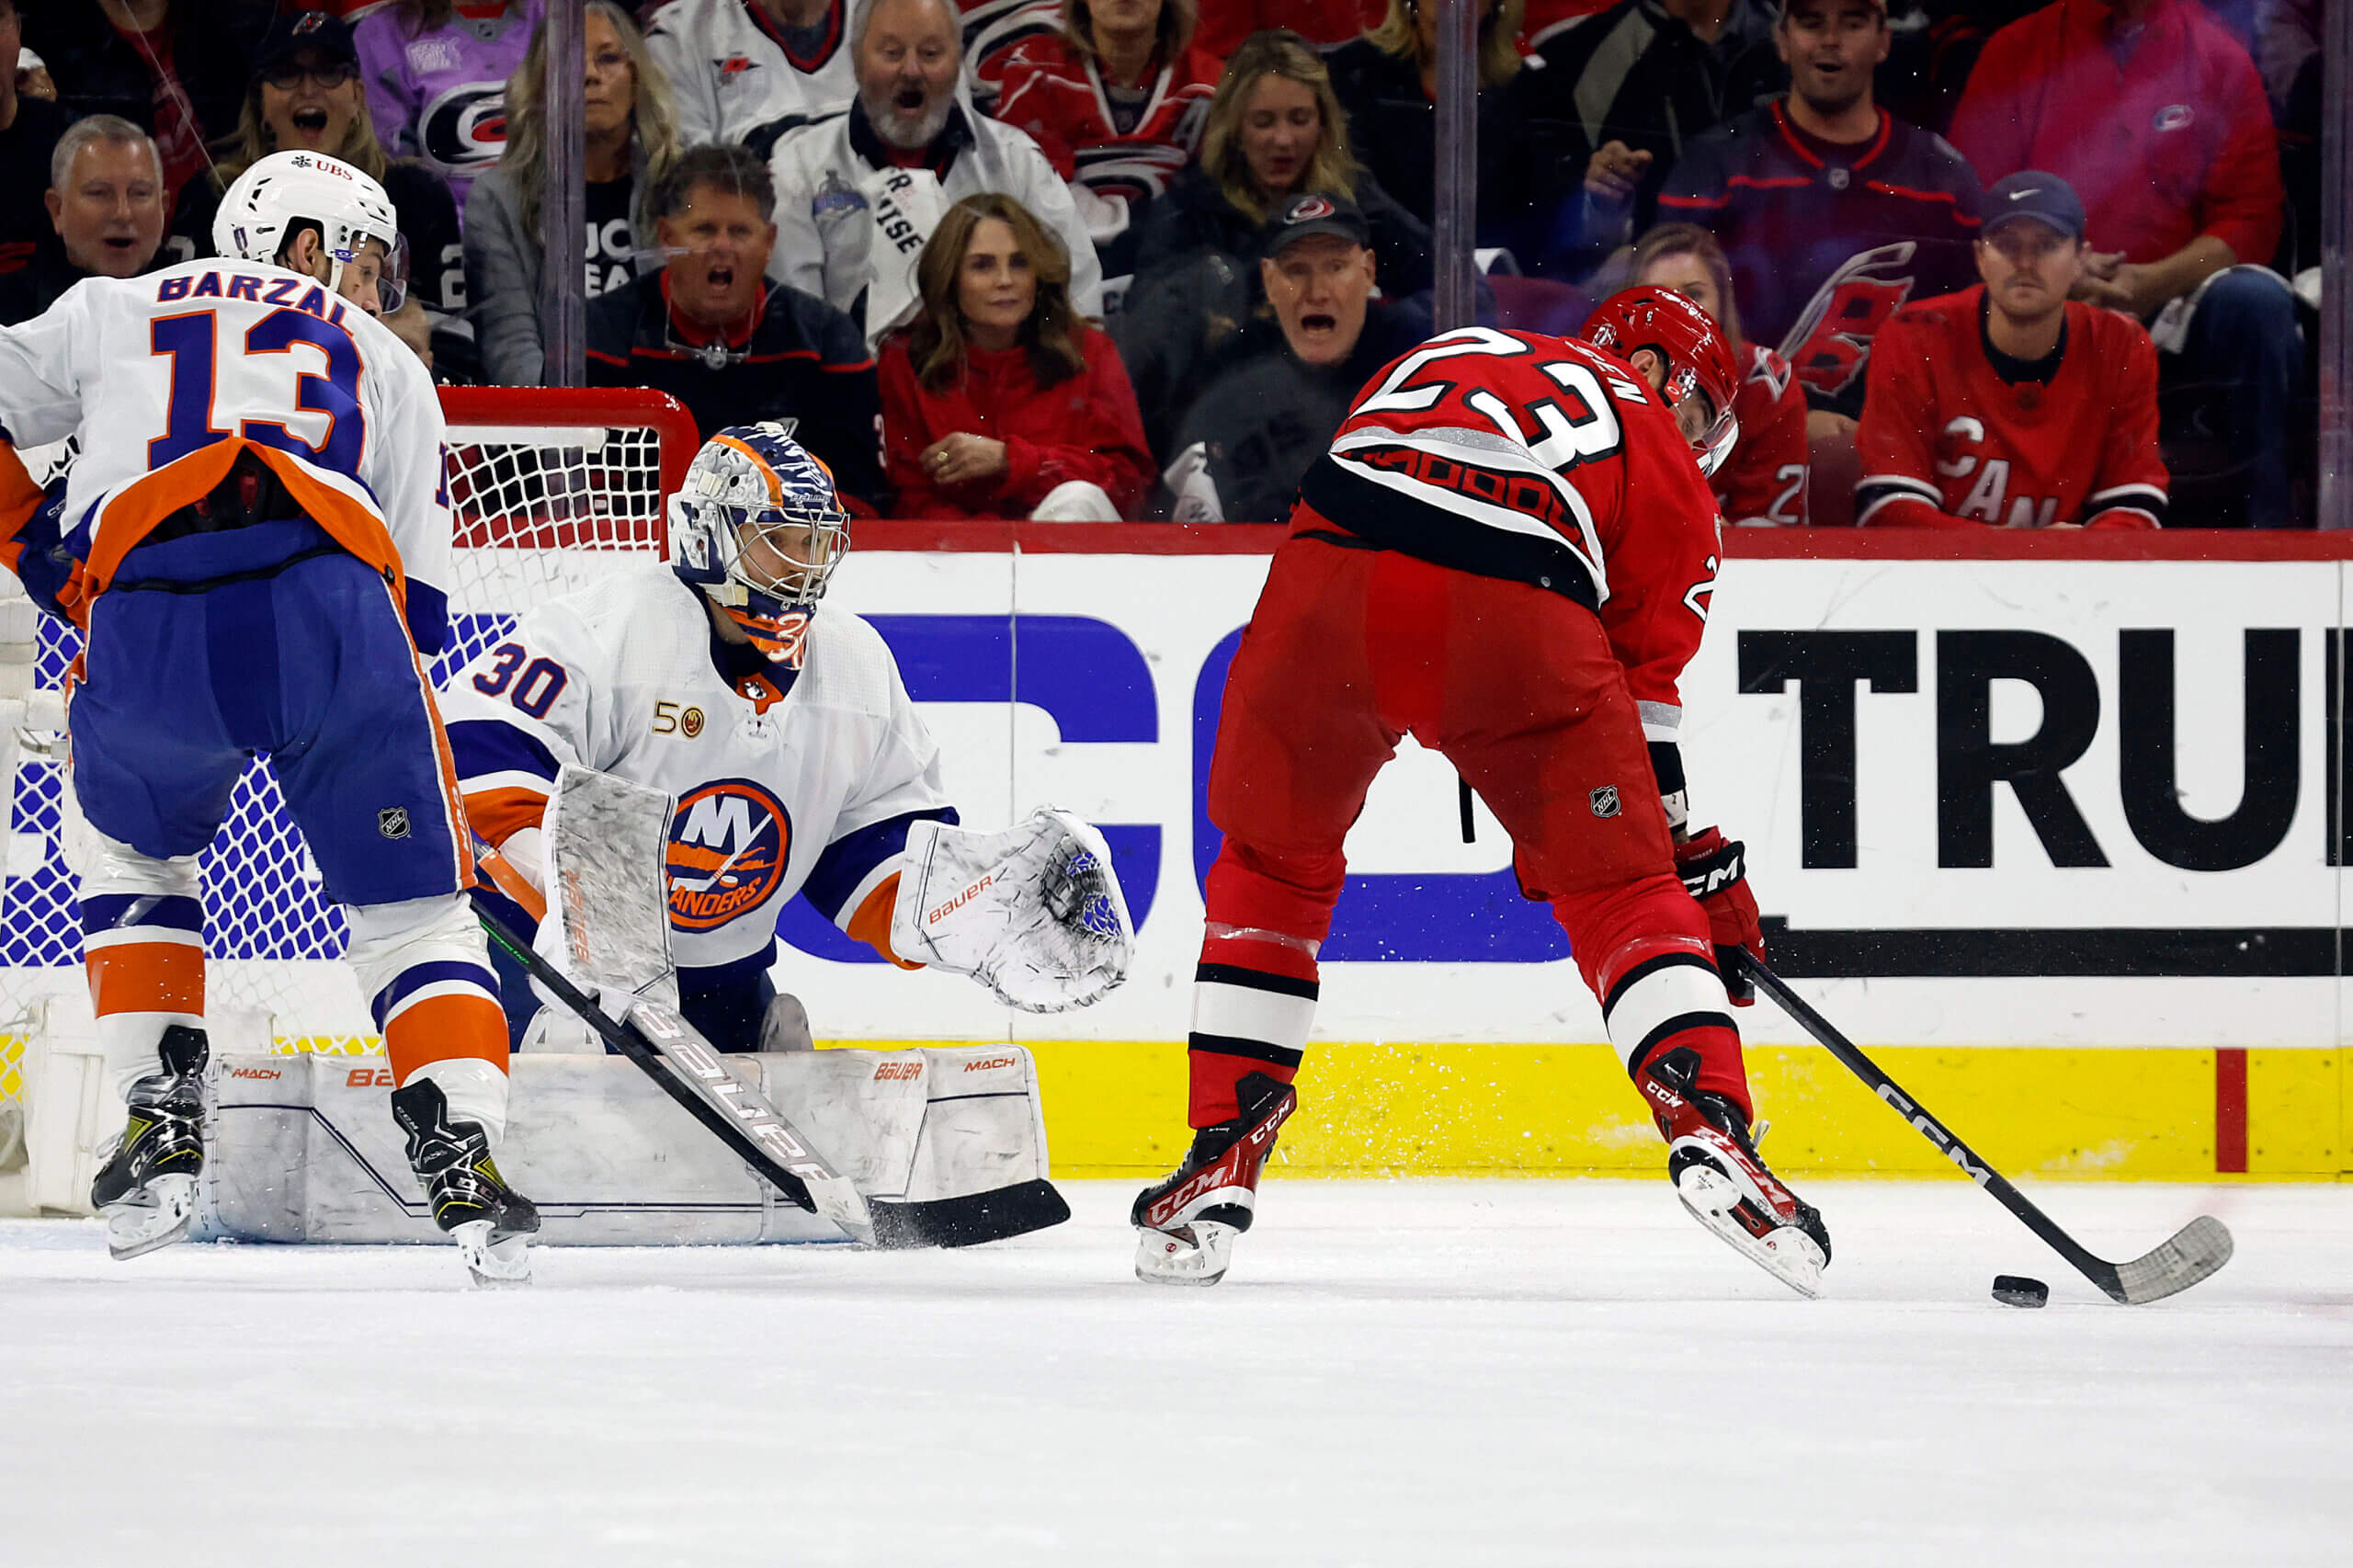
{"type": "Point", "coordinates": [1604, 800]}
{"type": "Point", "coordinates": [392, 821]}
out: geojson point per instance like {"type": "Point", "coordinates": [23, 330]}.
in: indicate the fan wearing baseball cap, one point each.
{"type": "Point", "coordinates": [2008, 404]}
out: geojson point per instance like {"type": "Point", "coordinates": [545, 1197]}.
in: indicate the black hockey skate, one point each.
{"type": "Point", "coordinates": [1189, 1220]}
{"type": "Point", "coordinates": [147, 1187]}
{"type": "Point", "coordinates": [492, 1223]}
{"type": "Point", "coordinates": [1713, 1161]}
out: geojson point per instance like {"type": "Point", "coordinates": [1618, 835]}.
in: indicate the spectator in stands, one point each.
{"type": "Point", "coordinates": [33, 80]}
{"type": "Point", "coordinates": [2155, 116]}
{"type": "Point", "coordinates": [1270, 404]}
{"type": "Point", "coordinates": [29, 131]}
{"type": "Point", "coordinates": [1275, 131]}
{"type": "Point", "coordinates": [436, 81]}
{"type": "Point", "coordinates": [712, 332]}
{"type": "Point", "coordinates": [629, 143]}
{"type": "Point", "coordinates": [1619, 99]}
{"type": "Point", "coordinates": [1115, 98]}
{"type": "Point", "coordinates": [176, 69]}
{"type": "Point", "coordinates": [1387, 83]}
{"type": "Point", "coordinates": [2009, 405]}
{"type": "Point", "coordinates": [1833, 211]}
{"type": "Point", "coordinates": [861, 190]}
{"type": "Point", "coordinates": [305, 94]}
{"type": "Point", "coordinates": [1322, 23]}
{"type": "Point", "coordinates": [994, 32]}
{"type": "Point", "coordinates": [1764, 482]}
{"type": "Point", "coordinates": [750, 70]}
{"type": "Point", "coordinates": [1001, 400]}
{"type": "Point", "coordinates": [105, 214]}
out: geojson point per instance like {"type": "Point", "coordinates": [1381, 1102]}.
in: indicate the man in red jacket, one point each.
{"type": "Point", "coordinates": [1509, 550]}
{"type": "Point", "coordinates": [2009, 405]}
{"type": "Point", "coordinates": [2156, 117]}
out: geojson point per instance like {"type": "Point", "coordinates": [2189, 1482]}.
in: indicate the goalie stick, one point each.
{"type": "Point", "coordinates": [2195, 1252]}
{"type": "Point", "coordinates": [692, 1073]}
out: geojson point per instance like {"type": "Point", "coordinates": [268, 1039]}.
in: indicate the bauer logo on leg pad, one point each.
{"type": "Point", "coordinates": [393, 822]}
{"type": "Point", "coordinates": [1604, 800]}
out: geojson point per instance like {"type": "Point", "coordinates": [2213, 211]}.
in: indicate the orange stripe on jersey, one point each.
{"type": "Point", "coordinates": [872, 924]}
{"type": "Point", "coordinates": [138, 506]}
{"type": "Point", "coordinates": [513, 883]}
{"type": "Point", "coordinates": [498, 814]}
{"type": "Point", "coordinates": [146, 977]}
{"type": "Point", "coordinates": [19, 499]}
{"type": "Point", "coordinates": [446, 1029]}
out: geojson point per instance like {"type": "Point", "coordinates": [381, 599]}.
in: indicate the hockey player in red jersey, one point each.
{"type": "Point", "coordinates": [1508, 552]}
{"type": "Point", "coordinates": [2009, 405]}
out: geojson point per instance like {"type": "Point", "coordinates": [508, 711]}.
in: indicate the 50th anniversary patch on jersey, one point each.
{"type": "Point", "coordinates": [729, 840]}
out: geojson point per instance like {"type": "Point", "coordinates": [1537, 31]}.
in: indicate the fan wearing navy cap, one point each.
{"type": "Point", "coordinates": [2007, 404]}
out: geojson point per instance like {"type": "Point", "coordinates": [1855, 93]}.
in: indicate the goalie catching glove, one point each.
{"type": "Point", "coordinates": [1031, 911]}
{"type": "Point", "coordinates": [1715, 872]}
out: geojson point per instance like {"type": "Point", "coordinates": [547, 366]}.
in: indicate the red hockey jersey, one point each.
{"type": "Point", "coordinates": [1055, 93]}
{"type": "Point", "coordinates": [1947, 443]}
{"type": "Point", "coordinates": [1537, 460]}
{"type": "Point", "coordinates": [1764, 482]}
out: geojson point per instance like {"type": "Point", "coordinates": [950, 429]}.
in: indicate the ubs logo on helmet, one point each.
{"type": "Point", "coordinates": [728, 844]}
{"type": "Point", "coordinates": [465, 129]}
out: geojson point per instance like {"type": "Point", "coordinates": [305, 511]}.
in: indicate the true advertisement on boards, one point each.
{"type": "Point", "coordinates": [1988, 802]}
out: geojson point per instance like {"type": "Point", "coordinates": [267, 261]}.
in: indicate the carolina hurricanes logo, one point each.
{"type": "Point", "coordinates": [1307, 208]}
{"type": "Point", "coordinates": [465, 129]}
{"type": "Point", "coordinates": [728, 845]}
{"type": "Point", "coordinates": [733, 65]}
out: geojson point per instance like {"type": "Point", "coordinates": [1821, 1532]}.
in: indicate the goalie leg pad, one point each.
{"type": "Point", "coordinates": [1033, 912]}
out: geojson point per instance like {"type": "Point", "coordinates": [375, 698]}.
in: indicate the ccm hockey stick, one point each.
{"type": "Point", "coordinates": [2196, 1251]}
{"type": "Point", "coordinates": [692, 1073]}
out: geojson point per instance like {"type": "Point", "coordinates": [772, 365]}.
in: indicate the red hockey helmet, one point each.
{"type": "Point", "coordinates": [1692, 348]}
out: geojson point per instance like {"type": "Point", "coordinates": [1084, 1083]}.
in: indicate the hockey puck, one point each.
{"type": "Point", "coordinates": [2018, 1290]}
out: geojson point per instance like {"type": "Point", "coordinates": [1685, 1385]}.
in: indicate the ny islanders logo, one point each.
{"type": "Point", "coordinates": [728, 844]}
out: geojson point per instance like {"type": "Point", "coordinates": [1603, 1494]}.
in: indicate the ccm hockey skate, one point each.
{"type": "Point", "coordinates": [492, 1223]}
{"type": "Point", "coordinates": [147, 1187]}
{"type": "Point", "coordinates": [1189, 1220]}
{"type": "Point", "coordinates": [1712, 1162]}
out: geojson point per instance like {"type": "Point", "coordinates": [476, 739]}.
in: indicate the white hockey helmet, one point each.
{"type": "Point", "coordinates": [747, 484]}
{"type": "Point", "coordinates": [261, 211]}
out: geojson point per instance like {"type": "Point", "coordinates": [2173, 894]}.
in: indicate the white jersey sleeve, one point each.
{"type": "Point", "coordinates": [41, 390]}
{"type": "Point", "coordinates": [407, 459]}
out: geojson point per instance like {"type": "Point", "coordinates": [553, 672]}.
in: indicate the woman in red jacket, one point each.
{"type": "Point", "coordinates": [1001, 401]}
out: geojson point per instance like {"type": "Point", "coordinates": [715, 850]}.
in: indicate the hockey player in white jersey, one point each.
{"type": "Point", "coordinates": [798, 762]}
{"type": "Point", "coordinates": [257, 540]}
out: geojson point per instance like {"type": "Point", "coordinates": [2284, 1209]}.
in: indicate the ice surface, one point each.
{"type": "Point", "coordinates": [1426, 1373]}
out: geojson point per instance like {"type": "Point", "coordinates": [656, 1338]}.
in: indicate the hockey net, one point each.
{"type": "Point", "coordinates": [550, 489]}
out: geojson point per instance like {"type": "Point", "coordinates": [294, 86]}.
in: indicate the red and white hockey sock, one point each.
{"type": "Point", "coordinates": [1254, 1001]}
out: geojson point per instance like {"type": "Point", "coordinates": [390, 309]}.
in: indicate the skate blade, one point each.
{"type": "Point", "coordinates": [1786, 1252]}
{"type": "Point", "coordinates": [152, 1219]}
{"type": "Point", "coordinates": [501, 1264]}
{"type": "Point", "coordinates": [1197, 1254]}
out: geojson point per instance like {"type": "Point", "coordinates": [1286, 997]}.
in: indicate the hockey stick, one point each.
{"type": "Point", "coordinates": [691, 1073]}
{"type": "Point", "coordinates": [2196, 1251]}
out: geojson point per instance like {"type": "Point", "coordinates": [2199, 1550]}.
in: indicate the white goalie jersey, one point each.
{"type": "Point", "coordinates": [804, 783]}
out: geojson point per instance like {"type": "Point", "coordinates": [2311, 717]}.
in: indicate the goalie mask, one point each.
{"type": "Point", "coordinates": [1694, 353]}
{"type": "Point", "coordinates": [758, 528]}
{"type": "Point", "coordinates": [279, 195]}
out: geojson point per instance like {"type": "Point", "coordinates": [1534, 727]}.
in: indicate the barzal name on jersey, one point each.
{"type": "Point", "coordinates": [1504, 454]}
{"type": "Point", "coordinates": [180, 370]}
{"type": "Point", "coordinates": [1949, 440]}
{"type": "Point", "coordinates": [788, 780]}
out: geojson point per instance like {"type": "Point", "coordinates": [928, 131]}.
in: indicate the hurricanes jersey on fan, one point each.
{"type": "Point", "coordinates": [1763, 484]}
{"type": "Point", "coordinates": [165, 375]}
{"type": "Point", "coordinates": [1946, 441]}
{"type": "Point", "coordinates": [1544, 461]}
{"type": "Point", "coordinates": [1827, 240]}
{"type": "Point", "coordinates": [735, 72]}
{"type": "Point", "coordinates": [787, 781]}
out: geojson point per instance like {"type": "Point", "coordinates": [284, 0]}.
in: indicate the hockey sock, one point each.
{"type": "Point", "coordinates": [1646, 952]}
{"type": "Point", "coordinates": [1253, 999]}
{"type": "Point", "coordinates": [144, 955]}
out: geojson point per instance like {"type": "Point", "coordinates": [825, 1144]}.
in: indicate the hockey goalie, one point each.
{"type": "Point", "coordinates": [798, 766]}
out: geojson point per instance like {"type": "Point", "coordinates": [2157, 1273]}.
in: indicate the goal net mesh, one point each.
{"type": "Point", "coordinates": [550, 490]}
